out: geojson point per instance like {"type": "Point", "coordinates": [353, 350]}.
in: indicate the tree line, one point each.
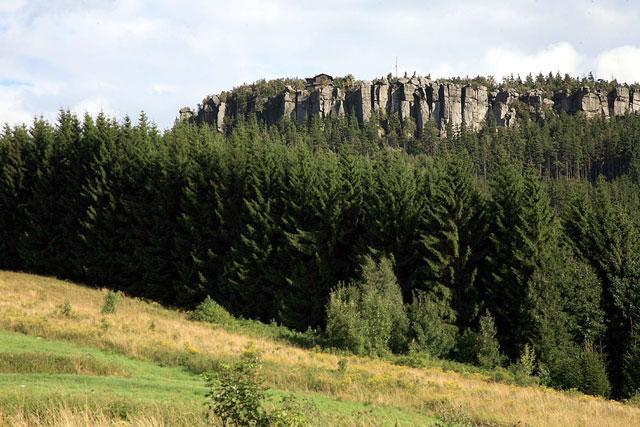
{"type": "Point", "coordinates": [481, 231]}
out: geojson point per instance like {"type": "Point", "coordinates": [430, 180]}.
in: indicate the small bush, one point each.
{"type": "Point", "coordinates": [211, 312]}
{"type": "Point", "coordinates": [594, 373]}
{"type": "Point", "coordinates": [104, 324]}
{"type": "Point", "coordinates": [431, 322]}
{"type": "Point", "coordinates": [237, 394]}
{"type": "Point", "coordinates": [580, 368]}
{"type": "Point", "coordinates": [65, 309]}
{"type": "Point", "coordinates": [368, 317]}
{"type": "Point", "coordinates": [526, 363]}
{"type": "Point", "coordinates": [466, 347]}
{"type": "Point", "coordinates": [110, 303]}
{"type": "Point", "coordinates": [290, 412]}
{"type": "Point", "coordinates": [488, 349]}
{"type": "Point", "coordinates": [342, 365]}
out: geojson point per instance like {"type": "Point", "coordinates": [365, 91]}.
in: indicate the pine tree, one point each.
{"type": "Point", "coordinates": [487, 347]}
{"type": "Point", "coordinates": [522, 233]}
{"type": "Point", "coordinates": [450, 241]}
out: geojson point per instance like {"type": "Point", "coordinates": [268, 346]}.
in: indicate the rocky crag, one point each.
{"type": "Point", "coordinates": [447, 105]}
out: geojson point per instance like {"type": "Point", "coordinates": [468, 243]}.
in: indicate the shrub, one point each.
{"type": "Point", "coordinates": [466, 347]}
{"type": "Point", "coordinates": [342, 365]}
{"type": "Point", "coordinates": [594, 373]}
{"type": "Point", "coordinates": [431, 321]}
{"type": "Point", "coordinates": [581, 368]}
{"type": "Point", "coordinates": [526, 363]}
{"type": "Point", "coordinates": [368, 317]}
{"type": "Point", "coordinates": [290, 412]}
{"type": "Point", "coordinates": [65, 309]}
{"type": "Point", "coordinates": [110, 303]}
{"type": "Point", "coordinates": [487, 347]}
{"type": "Point", "coordinates": [236, 395]}
{"type": "Point", "coordinates": [212, 312]}
{"type": "Point", "coordinates": [631, 366]}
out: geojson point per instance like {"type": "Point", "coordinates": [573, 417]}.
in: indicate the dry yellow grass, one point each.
{"type": "Point", "coordinates": [62, 416]}
{"type": "Point", "coordinates": [30, 304]}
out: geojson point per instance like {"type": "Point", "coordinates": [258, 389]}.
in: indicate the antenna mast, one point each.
{"type": "Point", "coordinates": [396, 67]}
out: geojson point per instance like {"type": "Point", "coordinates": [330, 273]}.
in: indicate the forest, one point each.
{"type": "Point", "coordinates": [492, 247]}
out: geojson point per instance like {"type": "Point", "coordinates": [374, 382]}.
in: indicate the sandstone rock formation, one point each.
{"type": "Point", "coordinates": [475, 107]}
{"type": "Point", "coordinates": [619, 101]}
{"type": "Point", "coordinates": [503, 107]}
{"type": "Point", "coordinates": [447, 105]}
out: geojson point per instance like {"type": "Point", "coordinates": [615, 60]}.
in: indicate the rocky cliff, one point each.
{"type": "Point", "coordinates": [447, 105]}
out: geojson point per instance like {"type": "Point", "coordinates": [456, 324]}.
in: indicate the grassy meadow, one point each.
{"type": "Point", "coordinates": [64, 362]}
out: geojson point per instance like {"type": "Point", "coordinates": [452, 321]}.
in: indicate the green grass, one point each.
{"type": "Point", "coordinates": [124, 387]}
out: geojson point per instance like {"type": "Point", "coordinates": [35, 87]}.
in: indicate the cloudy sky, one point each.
{"type": "Point", "coordinates": [124, 56]}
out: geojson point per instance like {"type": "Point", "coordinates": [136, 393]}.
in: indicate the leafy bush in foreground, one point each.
{"type": "Point", "coordinates": [367, 317]}
{"type": "Point", "coordinates": [212, 312]}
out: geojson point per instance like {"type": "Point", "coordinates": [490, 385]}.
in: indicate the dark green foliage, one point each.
{"type": "Point", "coordinates": [367, 317]}
{"type": "Point", "coordinates": [268, 219]}
{"type": "Point", "coordinates": [523, 234]}
{"type": "Point", "coordinates": [110, 303]}
{"type": "Point", "coordinates": [487, 347]}
{"type": "Point", "coordinates": [581, 368]}
{"type": "Point", "coordinates": [210, 311]}
{"type": "Point", "coordinates": [432, 328]}
{"type": "Point", "coordinates": [450, 243]}
{"type": "Point", "coordinates": [236, 396]}
{"type": "Point", "coordinates": [236, 393]}
{"type": "Point", "coordinates": [631, 365]}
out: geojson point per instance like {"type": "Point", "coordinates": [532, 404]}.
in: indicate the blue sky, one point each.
{"type": "Point", "coordinates": [123, 56]}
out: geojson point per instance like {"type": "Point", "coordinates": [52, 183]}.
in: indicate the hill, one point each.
{"type": "Point", "coordinates": [62, 361]}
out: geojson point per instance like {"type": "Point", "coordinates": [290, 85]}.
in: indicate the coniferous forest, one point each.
{"type": "Point", "coordinates": [502, 242]}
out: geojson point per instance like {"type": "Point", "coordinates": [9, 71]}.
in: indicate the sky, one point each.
{"type": "Point", "coordinates": [124, 56]}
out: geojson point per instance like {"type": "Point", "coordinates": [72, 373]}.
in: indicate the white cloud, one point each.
{"type": "Point", "coordinates": [12, 109]}
{"type": "Point", "coordinates": [123, 56]}
{"type": "Point", "coordinates": [94, 106]}
{"type": "Point", "coordinates": [8, 6]}
{"type": "Point", "coordinates": [562, 57]}
{"type": "Point", "coordinates": [622, 63]}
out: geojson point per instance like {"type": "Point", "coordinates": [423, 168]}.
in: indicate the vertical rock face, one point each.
{"type": "Point", "coordinates": [359, 102]}
{"type": "Point", "coordinates": [380, 96]}
{"type": "Point", "coordinates": [422, 106]}
{"type": "Point", "coordinates": [337, 103]}
{"type": "Point", "coordinates": [321, 101]}
{"type": "Point", "coordinates": [450, 99]}
{"type": "Point", "coordinates": [288, 103]}
{"type": "Point", "coordinates": [503, 110]}
{"type": "Point", "coordinates": [302, 106]}
{"type": "Point", "coordinates": [619, 101]}
{"type": "Point", "coordinates": [447, 105]}
{"type": "Point", "coordinates": [475, 107]}
{"type": "Point", "coordinates": [584, 100]}
{"type": "Point", "coordinates": [562, 101]}
{"type": "Point", "coordinates": [212, 112]}
{"type": "Point", "coordinates": [634, 103]}
{"type": "Point", "coordinates": [536, 101]}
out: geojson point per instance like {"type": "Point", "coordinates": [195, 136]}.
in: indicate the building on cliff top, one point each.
{"type": "Point", "coordinates": [320, 80]}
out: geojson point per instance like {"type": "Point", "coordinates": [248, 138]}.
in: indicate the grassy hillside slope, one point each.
{"type": "Point", "coordinates": [140, 366]}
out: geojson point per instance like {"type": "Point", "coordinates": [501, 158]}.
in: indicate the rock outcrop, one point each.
{"type": "Point", "coordinates": [212, 111]}
{"type": "Point", "coordinates": [475, 107]}
{"type": "Point", "coordinates": [503, 107]}
{"type": "Point", "coordinates": [634, 102]}
{"type": "Point", "coordinates": [359, 102]}
{"type": "Point", "coordinates": [447, 105]}
{"type": "Point", "coordinates": [619, 101]}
